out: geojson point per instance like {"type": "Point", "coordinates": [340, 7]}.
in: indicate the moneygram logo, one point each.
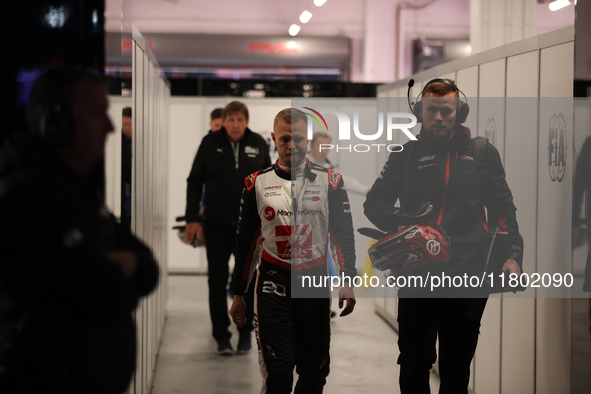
{"type": "Point", "coordinates": [269, 213]}
{"type": "Point", "coordinates": [390, 119]}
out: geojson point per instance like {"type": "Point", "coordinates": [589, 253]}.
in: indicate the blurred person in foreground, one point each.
{"type": "Point", "coordinates": [224, 158]}
{"type": "Point", "coordinates": [294, 210]}
{"type": "Point", "coordinates": [70, 275]}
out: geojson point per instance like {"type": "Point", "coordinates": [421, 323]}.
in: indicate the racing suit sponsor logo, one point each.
{"type": "Point", "coordinates": [250, 181]}
{"type": "Point", "coordinates": [313, 198]}
{"type": "Point", "coordinates": [302, 238]}
{"type": "Point", "coordinates": [271, 351]}
{"type": "Point", "coordinates": [312, 192]}
{"type": "Point", "coordinates": [278, 187]}
{"type": "Point", "coordinates": [308, 212]}
{"type": "Point", "coordinates": [281, 212]}
{"type": "Point", "coordinates": [464, 157]}
{"type": "Point", "coordinates": [272, 194]}
{"type": "Point", "coordinates": [269, 213]}
{"type": "Point", "coordinates": [334, 178]}
{"type": "Point", "coordinates": [282, 240]}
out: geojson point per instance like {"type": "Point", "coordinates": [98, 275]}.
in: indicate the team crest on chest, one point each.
{"type": "Point", "coordinates": [334, 178]}
{"type": "Point", "coordinates": [250, 181]}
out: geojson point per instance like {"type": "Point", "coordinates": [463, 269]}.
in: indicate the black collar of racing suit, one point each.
{"type": "Point", "coordinates": [281, 173]}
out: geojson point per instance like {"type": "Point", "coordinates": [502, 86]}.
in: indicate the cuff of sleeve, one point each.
{"type": "Point", "coordinates": [516, 254]}
{"type": "Point", "coordinates": [237, 291]}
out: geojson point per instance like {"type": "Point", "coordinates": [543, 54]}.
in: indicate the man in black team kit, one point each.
{"type": "Point", "coordinates": [440, 168]}
{"type": "Point", "coordinates": [225, 157]}
{"type": "Point", "coordinates": [290, 213]}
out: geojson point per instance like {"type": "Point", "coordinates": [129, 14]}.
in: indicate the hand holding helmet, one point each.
{"type": "Point", "coordinates": [414, 250]}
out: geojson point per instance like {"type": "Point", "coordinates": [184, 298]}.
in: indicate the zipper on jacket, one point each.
{"type": "Point", "coordinates": [444, 190]}
{"type": "Point", "coordinates": [236, 148]}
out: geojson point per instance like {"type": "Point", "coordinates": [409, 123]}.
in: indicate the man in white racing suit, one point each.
{"type": "Point", "coordinates": [290, 213]}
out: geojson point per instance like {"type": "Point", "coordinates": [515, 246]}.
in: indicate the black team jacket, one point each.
{"type": "Point", "coordinates": [222, 172]}
{"type": "Point", "coordinates": [445, 175]}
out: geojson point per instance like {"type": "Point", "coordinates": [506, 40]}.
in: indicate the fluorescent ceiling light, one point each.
{"type": "Point", "coordinates": [306, 16]}
{"type": "Point", "coordinates": [294, 30]}
{"type": "Point", "coordinates": [318, 3]}
{"type": "Point", "coordinates": [558, 4]}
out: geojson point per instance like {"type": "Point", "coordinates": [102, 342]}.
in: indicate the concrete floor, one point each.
{"type": "Point", "coordinates": [363, 350]}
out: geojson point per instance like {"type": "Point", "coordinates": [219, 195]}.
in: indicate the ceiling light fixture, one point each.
{"type": "Point", "coordinates": [294, 30]}
{"type": "Point", "coordinates": [306, 16]}
{"type": "Point", "coordinates": [318, 3]}
{"type": "Point", "coordinates": [558, 4]}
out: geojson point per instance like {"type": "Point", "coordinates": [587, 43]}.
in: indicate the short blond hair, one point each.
{"type": "Point", "coordinates": [289, 115]}
{"type": "Point", "coordinates": [319, 134]}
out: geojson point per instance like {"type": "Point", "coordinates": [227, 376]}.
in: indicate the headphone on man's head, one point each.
{"type": "Point", "coordinates": [462, 111]}
{"type": "Point", "coordinates": [51, 115]}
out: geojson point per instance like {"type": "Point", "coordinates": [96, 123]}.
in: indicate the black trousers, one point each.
{"type": "Point", "coordinates": [290, 333]}
{"type": "Point", "coordinates": [220, 241]}
{"type": "Point", "coordinates": [457, 323]}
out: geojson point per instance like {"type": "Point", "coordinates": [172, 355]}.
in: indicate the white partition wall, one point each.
{"type": "Point", "coordinates": [555, 186]}
{"type": "Point", "coordinates": [524, 347]}
{"type": "Point", "coordinates": [491, 116]}
{"type": "Point", "coordinates": [468, 80]}
{"type": "Point", "coordinates": [518, 315]}
{"type": "Point", "coordinates": [150, 120]}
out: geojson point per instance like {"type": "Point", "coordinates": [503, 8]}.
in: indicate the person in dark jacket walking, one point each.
{"type": "Point", "coordinates": [440, 168]}
{"type": "Point", "coordinates": [216, 120]}
{"type": "Point", "coordinates": [70, 275]}
{"type": "Point", "coordinates": [224, 158]}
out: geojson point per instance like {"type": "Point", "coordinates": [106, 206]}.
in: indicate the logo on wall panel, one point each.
{"type": "Point", "coordinates": [557, 148]}
{"type": "Point", "coordinates": [490, 131]}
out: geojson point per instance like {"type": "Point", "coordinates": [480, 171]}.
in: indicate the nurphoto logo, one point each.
{"type": "Point", "coordinates": [344, 131]}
